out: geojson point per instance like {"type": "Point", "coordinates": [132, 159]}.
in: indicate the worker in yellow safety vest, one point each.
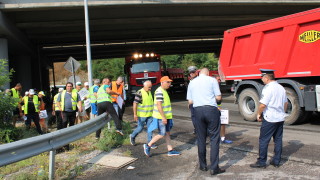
{"type": "Point", "coordinates": [31, 110]}
{"type": "Point", "coordinates": [56, 111]}
{"type": "Point", "coordinates": [162, 117]}
{"type": "Point", "coordinates": [142, 111]}
{"type": "Point", "coordinates": [15, 93]}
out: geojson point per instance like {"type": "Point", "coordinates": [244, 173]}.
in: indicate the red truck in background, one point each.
{"type": "Point", "coordinates": [290, 45]}
{"type": "Point", "coordinates": [141, 67]}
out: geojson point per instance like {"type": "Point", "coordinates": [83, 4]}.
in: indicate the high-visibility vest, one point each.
{"type": "Point", "coordinates": [22, 107]}
{"type": "Point", "coordinates": [166, 105]}
{"type": "Point", "coordinates": [74, 96]}
{"type": "Point", "coordinates": [56, 107]}
{"type": "Point", "coordinates": [15, 95]}
{"type": "Point", "coordinates": [36, 103]}
{"type": "Point", "coordinates": [117, 90]}
{"type": "Point", "coordinates": [103, 95]}
{"type": "Point", "coordinates": [145, 109]}
{"type": "Point", "coordinates": [93, 99]}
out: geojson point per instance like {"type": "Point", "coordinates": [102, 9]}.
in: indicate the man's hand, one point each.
{"type": "Point", "coordinates": [53, 113]}
{"type": "Point", "coordinates": [135, 117]}
{"type": "Point", "coordinates": [259, 117]}
{"type": "Point", "coordinates": [164, 121]}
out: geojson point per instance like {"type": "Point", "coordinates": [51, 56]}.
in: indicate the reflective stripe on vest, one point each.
{"type": "Point", "coordinates": [103, 96]}
{"type": "Point", "coordinates": [145, 109]}
{"type": "Point", "coordinates": [166, 105]}
{"type": "Point", "coordinates": [35, 102]}
{"type": "Point", "coordinates": [93, 99]}
{"type": "Point", "coordinates": [117, 90]}
{"type": "Point", "coordinates": [74, 96]}
{"type": "Point", "coordinates": [56, 107]}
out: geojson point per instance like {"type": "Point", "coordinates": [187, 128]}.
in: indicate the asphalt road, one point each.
{"type": "Point", "coordinates": [300, 158]}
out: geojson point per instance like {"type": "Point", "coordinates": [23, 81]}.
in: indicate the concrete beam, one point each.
{"type": "Point", "coordinates": [16, 38]}
{"type": "Point", "coordinates": [20, 4]}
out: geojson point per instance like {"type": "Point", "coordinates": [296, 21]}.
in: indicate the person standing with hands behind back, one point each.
{"type": "Point", "coordinates": [271, 112]}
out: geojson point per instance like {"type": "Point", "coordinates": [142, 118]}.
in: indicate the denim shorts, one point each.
{"type": "Point", "coordinates": [164, 128]}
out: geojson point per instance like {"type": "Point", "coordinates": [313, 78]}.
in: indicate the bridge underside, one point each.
{"type": "Point", "coordinates": [120, 30]}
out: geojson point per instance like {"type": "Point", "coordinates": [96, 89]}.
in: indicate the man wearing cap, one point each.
{"type": "Point", "coordinates": [192, 73]}
{"type": "Point", "coordinates": [204, 93]}
{"type": "Point", "coordinates": [67, 101]}
{"type": "Point", "coordinates": [56, 111]}
{"type": "Point", "coordinates": [93, 90]}
{"type": "Point", "coordinates": [162, 117]}
{"type": "Point", "coordinates": [272, 108]}
{"type": "Point", "coordinates": [117, 86]}
{"type": "Point", "coordinates": [31, 110]}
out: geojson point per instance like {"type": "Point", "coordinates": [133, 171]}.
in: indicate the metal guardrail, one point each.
{"type": "Point", "coordinates": [26, 148]}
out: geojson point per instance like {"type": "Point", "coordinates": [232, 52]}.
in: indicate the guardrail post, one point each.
{"type": "Point", "coordinates": [51, 164]}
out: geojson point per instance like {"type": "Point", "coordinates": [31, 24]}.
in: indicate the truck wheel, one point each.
{"type": "Point", "coordinates": [295, 113]}
{"type": "Point", "coordinates": [248, 104]}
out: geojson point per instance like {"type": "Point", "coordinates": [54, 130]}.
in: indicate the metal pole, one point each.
{"type": "Point", "coordinates": [86, 15]}
{"type": "Point", "coordinates": [74, 78]}
{"type": "Point", "coordinates": [51, 164]}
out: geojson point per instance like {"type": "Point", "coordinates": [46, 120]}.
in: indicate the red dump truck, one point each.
{"type": "Point", "coordinates": [290, 45]}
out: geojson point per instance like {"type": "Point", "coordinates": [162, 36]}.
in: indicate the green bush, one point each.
{"type": "Point", "coordinates": [9, 133]}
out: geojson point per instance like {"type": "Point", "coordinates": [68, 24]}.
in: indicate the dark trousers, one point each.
{"type": "Point", "coordinates": [35, 118]}
{"type": "Point", "coordinates": [267, 131]}
{"type": "Point", "coordinates": [193, 118]}
{"type": "Point", "coordinates": [59, 119]}
{"type": "Point", "coordinates": [68, 118]}
{"type": "Point", "coordinates": [108, 107]}
{"type": "Point", "coordinates": [207, 118]}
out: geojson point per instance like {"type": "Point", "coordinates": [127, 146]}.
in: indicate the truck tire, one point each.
{"type": "Point", "coordinates": [248, 104]}
{"type": "Point", "coordinates": [295, 112]}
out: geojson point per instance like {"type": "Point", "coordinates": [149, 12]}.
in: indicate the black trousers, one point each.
{"type": "Point", "coordinates": [193, 118]}
{"type": "Point", "coordinates": [207, 118]}
{"type": "Point", "coordinates": [68, 118]}
{"type": "Point", "coordinates": [59, 119]}
{"type": "Point", "coordinates": [107, 106]}
{"type": "Point", "coordinates": [35, 118]}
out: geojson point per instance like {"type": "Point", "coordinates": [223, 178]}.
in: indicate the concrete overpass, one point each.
{"type": "Point", "coordinates": [39, 32]}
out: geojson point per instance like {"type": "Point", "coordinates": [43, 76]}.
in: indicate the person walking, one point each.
{"type": "Point", "coordinates": [104, 104]}
{"type": "Point", "coordinates": [15, 93]}
{"type": "Point", "coordinates": [56, 111]}
{"type": "Point", "coordinates": [142, 111]}
{"type": "Point", "coordinates": [31, 110]}
{"type": "Point", "coordinates": [272, 108]}
{"type": "Point", "coordinates": [162, 118]}
{"type": "Point", "coordinates": [93, 90]}
{"type": "Point", "coordinates": [223, 126]}
{"type": "Point", "coordinates": [204, 93]}
{"type": "Point", "coordinates": [117, 86]}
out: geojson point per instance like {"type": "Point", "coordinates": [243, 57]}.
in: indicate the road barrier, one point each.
{"type": "Point", "coordinates": [26, 148]}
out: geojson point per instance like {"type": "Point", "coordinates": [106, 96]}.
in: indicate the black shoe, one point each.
{"type": "Point", "coordinates": [257, 165]}
{"type": "Point", "coordinates": [217, 171]}
{"type": "Point", "coordinates": [275, 165]}
{"type": "Point", "coordinates": [203, 168]}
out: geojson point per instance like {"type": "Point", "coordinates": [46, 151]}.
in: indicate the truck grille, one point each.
{"type": "Point", "coordinates": [141, 80]}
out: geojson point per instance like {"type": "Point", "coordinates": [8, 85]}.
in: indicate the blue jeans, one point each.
{"type": "Point", "coordinates": [141, 122]}
{"type": "Point", "coordinates": [267, 131]}
{"type": "Point", "coordinates": [116, 107]}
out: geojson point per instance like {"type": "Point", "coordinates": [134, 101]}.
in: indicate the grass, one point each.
{"type": "Point", "coordinates": [66, 165]}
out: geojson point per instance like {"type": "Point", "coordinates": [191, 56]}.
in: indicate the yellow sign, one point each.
{"type": "Point", "coordinates": [309, 36]}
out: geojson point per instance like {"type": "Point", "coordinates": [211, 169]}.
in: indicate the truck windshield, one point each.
{"type": "Point", "coordinates": [145, 67]}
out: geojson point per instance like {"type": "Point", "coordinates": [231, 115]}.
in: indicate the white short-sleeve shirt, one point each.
{"type": "Point", "coordinates": [274, 97]}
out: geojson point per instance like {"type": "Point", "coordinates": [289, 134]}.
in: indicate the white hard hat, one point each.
{"type": "Point", "coordinates": [60, 89]}
{"type": "Point", "coordinates": [86, 84]}
{"type": "Point", "coordinates": [26, 93]}
{"type": "Point", "coordinates": [31, 91]}
{"type": "Point", "coordinates": [78, 83]}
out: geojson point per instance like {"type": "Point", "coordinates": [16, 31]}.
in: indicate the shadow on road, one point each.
{"type": "Point", "coordinates": [290, 149]}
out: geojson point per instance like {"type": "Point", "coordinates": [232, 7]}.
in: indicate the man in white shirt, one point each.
{"type": "Point", "coordinates": [273, 104]}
